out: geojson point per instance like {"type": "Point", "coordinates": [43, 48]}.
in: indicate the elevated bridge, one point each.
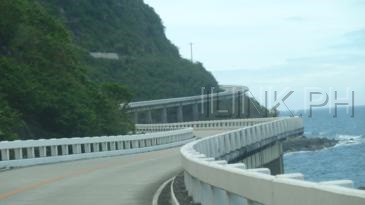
{"type": "Point", "coordinates": [232, 161]}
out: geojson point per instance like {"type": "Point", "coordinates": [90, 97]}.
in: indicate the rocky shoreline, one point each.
{"type": "Point", "coordinates": [303, 143]}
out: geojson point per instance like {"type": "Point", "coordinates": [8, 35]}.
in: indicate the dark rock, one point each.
{"type": "Point", "coordinates": [303, 143]}
{"type": "Point", "coordinates": [362, 188]}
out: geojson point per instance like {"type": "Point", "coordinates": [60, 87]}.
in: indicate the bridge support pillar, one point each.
{"type": "Point", "coordinates": [5, 156]}
{"type": "Point", "coordinates": [96, 147]}
{"type": "Point", "coordinates": [180, 116]}
{"type": "Point", "coordinates": [76, 149]}
{"type": "Point", "coordinates": [42, 152]}
{"type": "Point", "coordinates": [104, 146]}
{"type": "Point", "coordinates": [207, 197]}
{"type": "Point", "coordinates": [64, 149]}
{"type": "Point", "coordinates": [113, 146]}
{"type": "Point", "coordinates": [120, 146]}
{"type": "Point", "coordinates": [149, 117]}
{"type": "Point", "coordinates": [220, 196]}
{"type": "Point", "coordinates": [237, 200]}
{"type": "Point", "coordinates": [54, 151]}
{"type": "Point", "coordinates": [135, 116]}
{"type": "Point", "coordinates": [277, 164]}
{"type": "Point", "coordinates": [164, 115]}
{"type": "Point", "coordinates": [18, 153]}
{"type": "Point", "coordinates": [87, 148]}
{"type": "Point", "coordinates": [195, 112]}
{"type": "Point", "coordinates": [30, 152]}
{"type": "Point", "coordinates": [127, 145]}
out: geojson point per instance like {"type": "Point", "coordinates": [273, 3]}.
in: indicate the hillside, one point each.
{"type": "Point", "coordinates": [45, 89]}
{"type": "Point", "coordinates": [149, 65]}
{"type": "Point", "coordinates": [51, 87]}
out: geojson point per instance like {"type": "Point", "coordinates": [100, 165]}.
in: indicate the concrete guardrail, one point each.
{"type": "Point", "coordinates": [210, 181]}
{"type": "Point", "coordinates": [228, 91]}
{"type": "Point", "coordinates": [202, 125]}
{"type": "Point", "coordinates": [32, 152]}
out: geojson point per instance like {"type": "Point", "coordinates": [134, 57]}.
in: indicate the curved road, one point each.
{"type": "Point", "coordinates": [131, 179]}
{"type": "Point", "coordinates": [128, 179]}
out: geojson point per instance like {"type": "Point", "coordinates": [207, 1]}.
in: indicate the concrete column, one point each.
{"type": "Point", "coordinates": [127, 144]}
{"type": "Point", "coordinates": [42, 151]}
{"type": "Point", "coordinates": [96, 147]}
{"type": "Point", "coordinates": [164, 115]}
{"type": "Point", "coordinates": [135, 116]}
{"type": "Point", "coordinates": [141, 143]}
{"type": "Point", "coordinates": [87, 148]}
{"type": "Point", "coordinates": [104, 146]}
{"type": "Point", "coordinates": [18, 153]}
{"type": "Point", "coordinates": [237, 200]}
{"type": "Point", "coordinates": [240, 108]}
{"type": "Point", "coordinates": [149, 116]}
{"type": "Point", "coordinates": [195, 112]}
{"type": "Point", "coordinates": [153, 141]}
{"type": "Point", "coordinates": [120, 145]}
{"type": "Point", "coordinates": [65, 150]}
{"type": "Point", "coordinates": [207, 195]}
{"type": "Point", "coordinates": [196, 190]}
{"type": "Point", "coordinates": [180, 116]}
{"type": "Point", "coordinates": [135, 144]}
{"type": "Point", "coordinates": [54, 151]}
{"type": "Point", "coordinates": [5, 156]}
{"type": "Point", "coordinates": [220, 196]}
{"type": "Point", "coordinates": [112, 146]}
{"type": "Point", "coordinates": [187, 182]}
{"type": "Point", "coordinates": [30, 153]}
{"type": "Point", "coordinates": [148, 142]}
{"type": "Point", "coordinates": [76, 149]}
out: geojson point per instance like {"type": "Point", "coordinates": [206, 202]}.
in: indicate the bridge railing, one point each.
{"type": "Point", "coordinates": [32, 152]}
{"type": "Point", "coordinates": [197, 125]}
{"type": "Point", "coordinates": [212, 181]}
{"type": "Point", "coordinates": [228, 90]}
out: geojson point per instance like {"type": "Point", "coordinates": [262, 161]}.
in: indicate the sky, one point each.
{"type": "Point", "coordinates": [272, 45]}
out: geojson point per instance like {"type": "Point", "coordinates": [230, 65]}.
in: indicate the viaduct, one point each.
{"type": "Point", "coordinates": [228, 154]}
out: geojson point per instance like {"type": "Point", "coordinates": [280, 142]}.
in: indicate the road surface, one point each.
{"type": "Point", "coordinates": [128, 180]}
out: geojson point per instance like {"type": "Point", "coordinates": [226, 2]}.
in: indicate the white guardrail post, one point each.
{"type": "Point", "coordinates": [32, 152]}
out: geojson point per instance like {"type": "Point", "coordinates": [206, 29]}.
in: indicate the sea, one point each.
{"type": "Point", "coordinates": [346, 160]}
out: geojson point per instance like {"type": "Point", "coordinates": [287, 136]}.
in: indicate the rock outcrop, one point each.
{"type": "Point", "coordinates": [303, 143]}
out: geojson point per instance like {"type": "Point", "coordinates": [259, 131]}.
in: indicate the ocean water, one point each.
{"type": "Point", "coordinates": [344, 161]}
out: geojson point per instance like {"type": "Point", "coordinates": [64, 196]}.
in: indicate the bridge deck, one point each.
{"type": "Point", "coordinates": [131, 179]}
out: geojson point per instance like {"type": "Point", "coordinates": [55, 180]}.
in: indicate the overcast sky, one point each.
{"type": "Point", "coordinates": [273, 45]}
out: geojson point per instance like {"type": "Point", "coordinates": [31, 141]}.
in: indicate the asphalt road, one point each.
{"type": "Point", "coordinates": [127, 180]}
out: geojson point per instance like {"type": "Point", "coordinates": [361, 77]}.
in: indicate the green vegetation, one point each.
{"type": "Point", "coordinates": [149, 65]}
{"type": "Point", "coordinates": [51, 87]}
{"type": "Point", "coordinates": [44, 89]}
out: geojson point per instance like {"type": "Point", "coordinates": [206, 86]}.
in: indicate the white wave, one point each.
{"type": "Point", "coordinates": [298, 152]}
{"type": "Point", "coordinates": [346, 140]}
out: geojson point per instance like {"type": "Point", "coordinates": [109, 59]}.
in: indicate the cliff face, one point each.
{"type": "Point", "coordinates": [147, 63]}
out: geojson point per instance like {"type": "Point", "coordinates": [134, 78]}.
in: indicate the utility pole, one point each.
{"type": "Point", "coordinates": [191, 52]}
